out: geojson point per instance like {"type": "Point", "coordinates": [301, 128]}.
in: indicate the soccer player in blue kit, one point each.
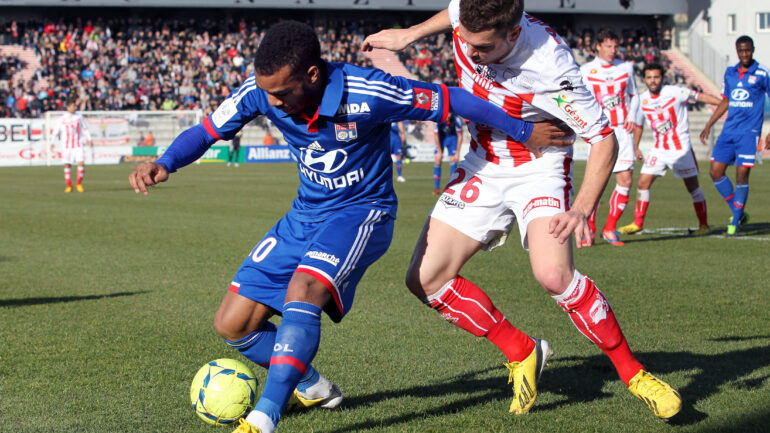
{"type": "Point", "coordinates": [745, 87]}
{"type": "Point", "coordinates": [397, 140]}
{"type": "Point", "coordinates": [336, 119]}
{"type": "Point", "coordinates": [449, 137]}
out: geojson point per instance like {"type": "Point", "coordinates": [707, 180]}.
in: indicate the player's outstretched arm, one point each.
{"type": "Point", "coordinates": [398, 39]}
{"type": "Point", "coordinates": [705, 98]}
{"type": "Point", "coordinates": [718, 112]}
{"type": "Point", "coordinates": [534, 136]}
{"type": "Point", "coordinates": [598, 170]}
{"type": "Point", "coordinates": [147, 174]}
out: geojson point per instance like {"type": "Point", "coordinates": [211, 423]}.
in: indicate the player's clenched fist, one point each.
{"type": "Point", "coordinates": [147, 174]}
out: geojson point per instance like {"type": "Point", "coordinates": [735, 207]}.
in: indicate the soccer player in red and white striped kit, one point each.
{"type": "Point", "coordinates": [517, 62]}
{"type": "Point", "coordinates": [72, 133]}
{"type": "Point", "coordinates": [611, 81]}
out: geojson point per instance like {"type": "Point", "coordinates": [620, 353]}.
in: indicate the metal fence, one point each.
{"type": "Point", "coordinates": [709, 60]}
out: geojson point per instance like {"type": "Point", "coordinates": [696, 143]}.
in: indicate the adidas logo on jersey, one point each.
{"type": "Point", "coordinates": [347, 109]}
{"type": "Point", "coordinates": [316, 146]}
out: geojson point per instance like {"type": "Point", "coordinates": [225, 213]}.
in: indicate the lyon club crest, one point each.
{"type": "Point", "coordinates": [345, 131]}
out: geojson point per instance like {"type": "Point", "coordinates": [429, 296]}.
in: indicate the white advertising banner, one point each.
{"type": "Point", "coordinates": [22, 144]}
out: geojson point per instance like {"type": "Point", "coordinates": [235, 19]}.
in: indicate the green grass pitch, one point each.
{"type": "Point", "coordinates": [107, 300]}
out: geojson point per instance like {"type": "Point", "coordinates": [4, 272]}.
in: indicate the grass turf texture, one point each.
{"type": "Point", "coordinates": [107, 300]}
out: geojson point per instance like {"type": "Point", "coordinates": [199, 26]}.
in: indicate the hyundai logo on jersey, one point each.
{"type": "Point", "coordinates": [328, 162]}
{"type": "Point", "coordinates": [739, 95]}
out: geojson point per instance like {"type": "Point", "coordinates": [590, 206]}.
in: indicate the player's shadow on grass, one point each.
{"type": "Point", "coordinates": [581, 380]}
{"type": "Point", "coordinates": [22, 302]}
{"type": "Point", "coordinates": [754, 229]}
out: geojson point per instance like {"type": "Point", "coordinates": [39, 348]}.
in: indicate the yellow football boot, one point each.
{"type": "Point", "coordinates": [68, 190]}
{"type": "Point", "coordinates": [630, 229]}
{"type": "Point", "coordinates": [246, 427]}
{"type": "Point", "coordinates": [702, 231]}
{"type": "Point", "coordinates": [525, 374]}
{"type": "Point", "coordinates": [663, 400]}
{"type": "Point", "coordinates": [79, 187]}
{"type": "Point", "coordinates": [324, 394]}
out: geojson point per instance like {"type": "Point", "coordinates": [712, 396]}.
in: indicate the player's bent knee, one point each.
{"type": "Point", "coordinates": [553, 280]}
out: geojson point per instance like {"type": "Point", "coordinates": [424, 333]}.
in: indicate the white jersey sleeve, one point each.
{"type": "Point", "coordinates": [560, 91]}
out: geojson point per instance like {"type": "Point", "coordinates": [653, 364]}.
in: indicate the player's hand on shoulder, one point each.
{"type": "Point", "coordinates": [563, 225]}
{"type": "Point", "coordinates": [388, 39]}
{"type": "Point", "coordinates": [548, 133]}
{"type": "Point", "coordinates": [147, 174]}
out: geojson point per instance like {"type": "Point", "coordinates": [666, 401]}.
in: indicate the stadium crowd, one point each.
{"type": "Point", "coordinates": [146, 64]}
{"type": "Point", "coordinates": [157, 64]}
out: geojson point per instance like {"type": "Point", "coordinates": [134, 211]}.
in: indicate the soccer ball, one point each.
{"type": "Point", "coordinates": [223, 391]}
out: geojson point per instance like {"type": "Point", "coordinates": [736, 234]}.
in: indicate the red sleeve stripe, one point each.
{"type": "Point", "coordinates": [445, 98]}
{"type": "Point", "coordinates": [210, 128]}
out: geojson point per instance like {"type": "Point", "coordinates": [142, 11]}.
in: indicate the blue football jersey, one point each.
{"type": "Point", "coordinates": [343, 151]}
{"type": "Point", "coordinates": [746, 92]}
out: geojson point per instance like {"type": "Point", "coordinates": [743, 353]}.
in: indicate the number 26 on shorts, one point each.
{"type": "Point", "coordinates": [470, 191]}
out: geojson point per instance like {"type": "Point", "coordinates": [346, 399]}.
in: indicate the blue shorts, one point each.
{"type": "Point", "coordinates": [336, 252]}
{"type": "Point", "coordinates": [395, 144]}
{"type": "Point", "coordinates": [738, 149]}
{"type": "Point", "coordinates": [448, 144]}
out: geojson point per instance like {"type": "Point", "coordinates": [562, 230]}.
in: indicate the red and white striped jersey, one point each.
{"type": "Point", "coordinates": [71, 130]}
{"type": "Point", "coordinates": [538, 80]}
{"type": "Point", "coordinates": [666, 113]}
{"type": "Point", "coordinates": [614, 87]}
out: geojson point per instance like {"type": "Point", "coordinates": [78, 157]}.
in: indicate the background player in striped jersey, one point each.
{"type": "Point", "coordinates": [448, 136]}
{"type": "Point", "coordinates": [336, 119]}
{"type": "Point", "coordinates": [744, 90]}
{"type": "Point", "coordinates": [664, 108]}
{"type": "Point", "coordinates": [517, 62]}
{"type": "Point", "coordinates": [72, 134]}
{"type": "Point", "coordinates": [397, 141]}
{"type": "Point", "coordinates": [611, 80]}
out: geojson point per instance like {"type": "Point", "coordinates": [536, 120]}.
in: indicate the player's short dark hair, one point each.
{"type": "Point", "coordinates": [744, 40]}
{"type": "Point", "coordinates": [653, 67]}
{"type": "Point", "coordinates": [500, 15]}
{"type": "Point", "coordinates": [287, 43]}
{"type": "Point", "coordinates": [606, 35]}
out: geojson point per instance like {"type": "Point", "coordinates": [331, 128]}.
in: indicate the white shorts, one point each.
{"type": "Point", "coordinates": [73, 156]}
{"type": "Point", "coordinates": [681, 162]}
{"type": "Point", "coordinates": [483, 203]}
{"type": "Point", "coordinates": [626, 156]}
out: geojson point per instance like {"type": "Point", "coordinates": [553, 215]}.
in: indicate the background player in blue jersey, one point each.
{"type": "Point", "coordinates": [449, 137]}
{"type": "Point", "coordinates": [745, 87]}
{"type": "Point", "coordinates": [336, 119]}
{"type": "Point", "coordinates": [397, 140]}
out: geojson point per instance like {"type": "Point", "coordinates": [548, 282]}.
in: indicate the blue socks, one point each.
{"type": "Point", "coordinates": [739, 202]}
{"type": "Point", "coordinates": [452, 168]}
{"type": "Point", "coordinates": [257, 346]}
{"type": "Point", "coordinates": [398, 167]}
{"type": "Point", "coordinates": [725, 188]}
{"type": "Point", "coordinates": [296, 344]}
{"type": "Point", "coordinates": [437, 176]}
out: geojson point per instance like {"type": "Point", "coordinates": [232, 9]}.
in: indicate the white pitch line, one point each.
{"type": "Point", "coordinates": [686, 232]}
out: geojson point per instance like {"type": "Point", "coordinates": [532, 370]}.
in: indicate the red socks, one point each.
{"type": "Point", "coordinates": [618, 203]}
{"type": "Point", "coordinates": [592, 315]}
{"type": "Point", "coordinates": [465, 305]}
